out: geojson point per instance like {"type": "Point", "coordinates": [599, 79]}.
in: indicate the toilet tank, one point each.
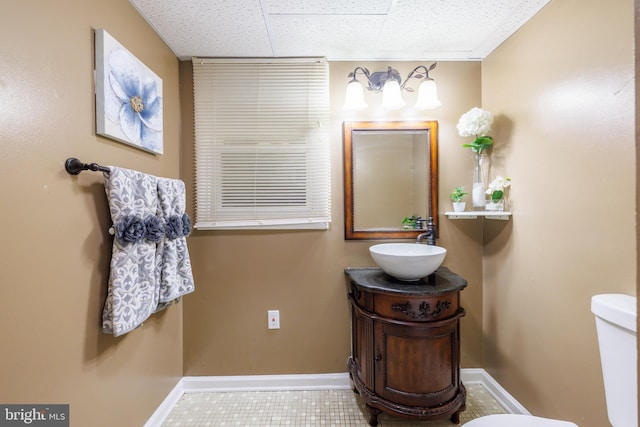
{"type": "Point", "coordinates": [616, 327]}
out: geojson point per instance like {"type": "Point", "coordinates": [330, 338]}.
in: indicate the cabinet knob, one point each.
{"type": "Point", "coordinates": [378, 357]}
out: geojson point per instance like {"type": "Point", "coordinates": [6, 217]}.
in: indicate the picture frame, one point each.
{"type": "Point", "coordinates": [128, 96]}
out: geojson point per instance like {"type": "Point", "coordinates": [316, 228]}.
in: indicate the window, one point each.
{"type": "Point", "coordinates": [262, 143]}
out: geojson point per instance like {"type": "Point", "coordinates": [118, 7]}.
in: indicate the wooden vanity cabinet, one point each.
{"type": "Point", "coordinates": [405, 357]}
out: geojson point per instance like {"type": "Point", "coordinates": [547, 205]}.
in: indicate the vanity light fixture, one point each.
{"type": "Point", "coordinates": [391, 85]}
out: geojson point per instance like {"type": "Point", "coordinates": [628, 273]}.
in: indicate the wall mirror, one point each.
{"type": "Point", "coordinates": [390, 173]}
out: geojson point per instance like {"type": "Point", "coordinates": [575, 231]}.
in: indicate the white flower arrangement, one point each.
{"type": "Point", "coordinates": [497, 188]}
{"type": "Point", "coordinates": [477, 123]}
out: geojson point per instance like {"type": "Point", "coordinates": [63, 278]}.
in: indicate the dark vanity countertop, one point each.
{"type": "Point", "coordinates": [374, 279]}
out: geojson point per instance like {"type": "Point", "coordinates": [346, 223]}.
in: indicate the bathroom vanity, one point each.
{"type": "Point", "coordinates": [405, 358]}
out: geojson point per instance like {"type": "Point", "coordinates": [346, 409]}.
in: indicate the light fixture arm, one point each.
{"type": "Point", "coordinates": [376, 80]}
{"type": "Point", "coordinates": [413, 74]}
{"type": "Point", "coordinates": [363, 71]}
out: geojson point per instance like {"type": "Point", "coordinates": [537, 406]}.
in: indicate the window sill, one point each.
{"type": "Point", "coordinates": [307, 226]}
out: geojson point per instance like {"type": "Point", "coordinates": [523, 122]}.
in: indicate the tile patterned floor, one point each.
{"type": "Point", "coordinates": [342, 408]}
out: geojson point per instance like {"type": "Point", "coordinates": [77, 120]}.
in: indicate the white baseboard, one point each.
{"type": "Point", "coordinates": [267, 382]}
{"type": "Point", "coordinates": [166, 406]}
{"type": "Point", "coordinates": [506, 400]}
{"type": "Point", "coordinates": [338, 381]}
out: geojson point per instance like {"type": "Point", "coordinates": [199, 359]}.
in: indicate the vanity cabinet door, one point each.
{"type": "Point", "coordinates": [417, 365]}
{"type": "Point", "coordinates": [362, 346]}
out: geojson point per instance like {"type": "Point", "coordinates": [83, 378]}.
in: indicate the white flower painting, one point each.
{"type": "Point", "coordinates": [128, 97]}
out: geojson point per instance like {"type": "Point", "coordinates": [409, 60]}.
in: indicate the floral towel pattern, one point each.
{"type": "Point", "coordinates": [150, 265]}
{"type": "Point", "coordinates": [176, 278]}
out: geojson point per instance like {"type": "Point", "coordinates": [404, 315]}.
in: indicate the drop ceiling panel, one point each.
{"type": "Point", "coordinates": [328, 7]}
{"type": "Point", "coordinates": [209, 28]}
{"type": "Point", "coordinates": [426, 28]}
{"type": "Point", "coordinates": [336, 36]}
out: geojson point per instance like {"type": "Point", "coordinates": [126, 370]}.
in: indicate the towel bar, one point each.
{"type": "Point", "coordinates": [74, 166]}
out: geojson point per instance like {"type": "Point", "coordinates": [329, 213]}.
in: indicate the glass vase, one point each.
{"type": "Point", "coordinates": [480, 180]}
{"type": "Point", "coordinates": [495, 205]}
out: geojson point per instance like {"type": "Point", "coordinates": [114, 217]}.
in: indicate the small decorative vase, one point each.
{"type": "Point", "coordinates": [480, 179]}
{"type": "Point", "coordinates": [459, 206]}
{"type": "Point", "coordinates": [495, 205]}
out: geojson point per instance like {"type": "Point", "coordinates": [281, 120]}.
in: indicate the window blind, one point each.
{"type": "Point", "coordinates": [262, 155]}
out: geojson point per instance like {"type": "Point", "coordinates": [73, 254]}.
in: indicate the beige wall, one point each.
{"type": "Point", "coordinates": [241, 275]}
{"type": "Point", "coordinates": [55, 257]}
{"type": "Point", "coordinates": [563, 90]}
{"type": "Point", "coordinates": [564, 96]}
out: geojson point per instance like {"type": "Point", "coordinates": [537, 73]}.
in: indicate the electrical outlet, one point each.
{"type": "Point", "coordinates": [274, 319]}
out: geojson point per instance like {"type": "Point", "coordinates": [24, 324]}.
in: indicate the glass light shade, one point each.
{"type": "Point", "coordinates": [391, 97]}
{"type": "Point", "coordinates": [354, 98]}
{"type": "Point", "coordinates": [427, 95]}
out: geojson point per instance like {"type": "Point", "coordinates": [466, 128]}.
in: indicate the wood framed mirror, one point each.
{"type": "Point", "coordinates": [390, 173]}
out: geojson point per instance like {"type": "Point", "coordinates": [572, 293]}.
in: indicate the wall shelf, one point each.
{"type": "Point", "coordinates": [502, 215]}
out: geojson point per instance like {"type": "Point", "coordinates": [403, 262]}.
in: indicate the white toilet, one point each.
{"type": "Point", "coordinates": [616, 325]}
{"type": "Point", "coordinates": [616, 328]}
{"type": "Point", "coordinates": [514, 420]}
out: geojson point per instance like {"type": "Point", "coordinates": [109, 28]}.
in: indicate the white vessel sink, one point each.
{"type": "Point", "coordinates": [407, 261]}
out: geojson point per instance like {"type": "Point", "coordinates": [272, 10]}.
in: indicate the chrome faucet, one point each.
{"type": "Point", "coordinates": [429, 234]}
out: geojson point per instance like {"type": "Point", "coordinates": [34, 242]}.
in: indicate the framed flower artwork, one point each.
{"type": "Point", "coordinates": [128, 97]}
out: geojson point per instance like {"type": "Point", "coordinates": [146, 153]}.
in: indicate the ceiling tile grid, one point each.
{"type": "Point", "coordinates": [337, 29]}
